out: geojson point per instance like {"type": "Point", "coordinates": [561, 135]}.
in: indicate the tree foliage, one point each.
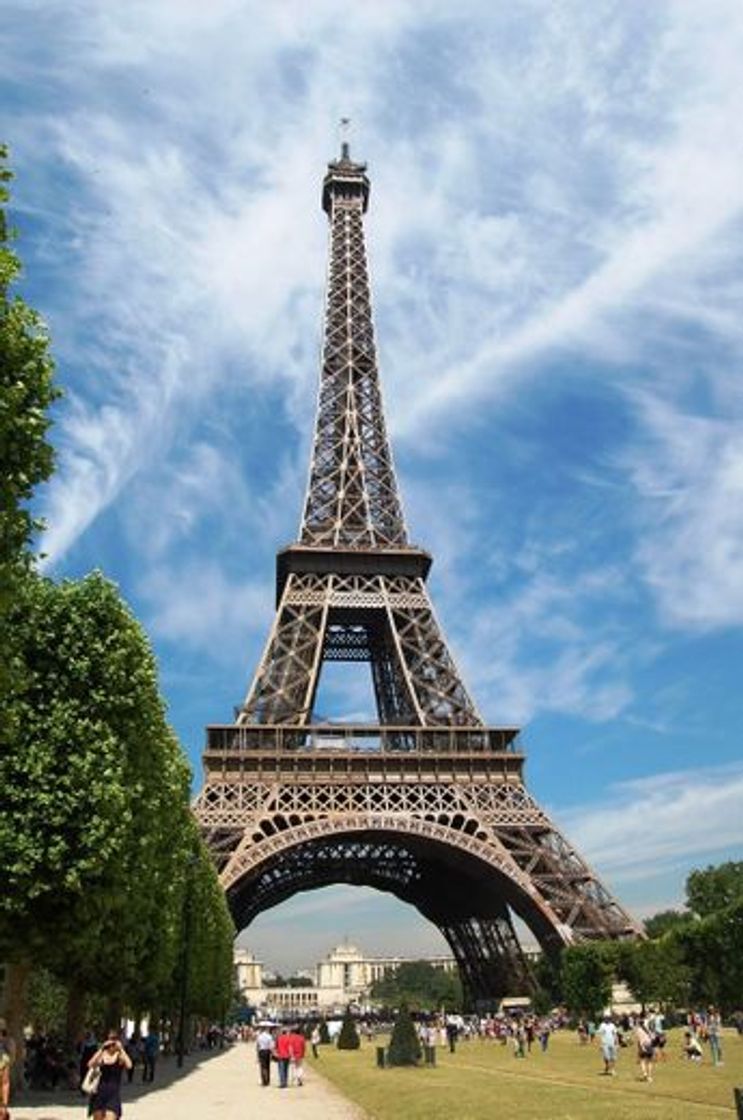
{"type": "Point", "coordinates": [692, 957]}
{"type": "Point", "coordinates": [548, 976]}
{"type": "Point", "coordinates": [46, 1007]}
{"type": "Point", "coordinates": [348, 1039]}
{"type": "Point", "coordinates": [26, 458]}
{"type": "Point", "coordinates": [587, 973]}
{"type": "Point", "coordinates": [97, 837]}
{"type": "Point", "coordinates": [405, 1047]}
{"type": "Point", "coordinates": [712, 889]}
{"type": "Point", "coordinates": [712, 949]}
{"type": "Point", "coordinates": [419, 985]}
{"type": "Point", "coordinates": [666, 920]}
{"type": "Point", "coordinates": [211, 940]}
{"type": "Point", "coordinates": [655, 971]}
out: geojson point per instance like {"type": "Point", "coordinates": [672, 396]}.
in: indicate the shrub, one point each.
{"type": "Point", "coordinates": [348, 1039]}
{"type": "Point", "coordinates": [405, 1047]}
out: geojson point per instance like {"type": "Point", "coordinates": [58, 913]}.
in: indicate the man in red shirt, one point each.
{"type": "Point", "coordinates": [283, 1053]}
{"type": "Point", "coordinates": [297, 1045]}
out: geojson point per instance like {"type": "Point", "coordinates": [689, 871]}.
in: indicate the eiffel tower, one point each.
{"type": "Point", "coordinates": [428, 803]}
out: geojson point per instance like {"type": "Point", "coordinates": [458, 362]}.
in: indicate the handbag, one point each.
{"type": "Point", "coordinates": [91, 1080]}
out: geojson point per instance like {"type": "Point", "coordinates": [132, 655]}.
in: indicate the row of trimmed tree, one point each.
{"type": "Point", "coordinates": [105, 876]}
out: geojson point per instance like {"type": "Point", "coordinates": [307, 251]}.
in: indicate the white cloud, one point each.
{"type": "Point", "coordinates": [688, 473]}
{"type": "Point", "coordinates": [675, 819]}
{"type": "Point", "coordinates": [197, 606]}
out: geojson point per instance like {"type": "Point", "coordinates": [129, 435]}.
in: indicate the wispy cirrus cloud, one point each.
{"type": "Point", "coordinates": [647, 824]}
{"type": "Point", "coordinates": [688, 473]}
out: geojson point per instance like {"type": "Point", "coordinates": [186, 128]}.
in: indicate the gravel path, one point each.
{"type": "Point", "coordinates": [222, 1086]}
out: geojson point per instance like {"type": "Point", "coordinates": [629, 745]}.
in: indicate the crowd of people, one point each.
{"type": "Point", "coordinates": [50, 1064]}
{"type": "Point", "coordinates": [98, 1068]}
{"type": "Point", "coordinates": [645, 1034]}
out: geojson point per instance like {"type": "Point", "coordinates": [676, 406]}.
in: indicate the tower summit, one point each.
{"type": "Point", "coordinates": [427, 802]}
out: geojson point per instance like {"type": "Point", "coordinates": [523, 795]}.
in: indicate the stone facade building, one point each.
{"type": "Point", "coordinates": [344, 976]}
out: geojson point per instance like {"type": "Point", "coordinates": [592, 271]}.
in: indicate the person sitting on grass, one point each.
{"type": "Point", "coordinates": [692, 1047]}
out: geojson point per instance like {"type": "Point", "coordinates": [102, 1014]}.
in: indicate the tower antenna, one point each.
{"type": "Point", "coordinates": [344, 128]}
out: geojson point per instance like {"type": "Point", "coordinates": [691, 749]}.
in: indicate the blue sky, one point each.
{"type": "Point", "coordinates": [555, 237]}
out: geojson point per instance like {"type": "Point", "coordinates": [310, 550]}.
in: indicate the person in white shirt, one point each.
{"type": "Point", "coordinates": [264, 1044]}
{"type": "Point", "coordinates": [609, 1038]}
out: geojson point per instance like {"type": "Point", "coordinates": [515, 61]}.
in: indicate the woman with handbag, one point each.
{"type": "Point", "coordinates": [7, 1055]}
{"type": "Point", "coordinates": [103, 1079]}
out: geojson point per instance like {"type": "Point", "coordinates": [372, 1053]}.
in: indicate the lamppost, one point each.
{"type": "Point", "coordinates": [186, 951]}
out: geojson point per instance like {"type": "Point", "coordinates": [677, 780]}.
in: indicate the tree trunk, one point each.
{"type": "Point", "coordinates": [75, 1015]}
{"type": "Point", "coordinates": [16, 988]}
{"type": "Point", "coordinates": [114, 1013]}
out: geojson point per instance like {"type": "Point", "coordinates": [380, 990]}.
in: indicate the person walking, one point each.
{"type": "Point", "coordinates": [111, 1059]}
{"type": "Point", "coordinates": [7, 1058]}
{"type": "Point", "coordinates": [297, 1045]}
{"type": "Point", "coordinates": [714, 1031]}
{"type": "Point", "coordinates": [608, 1036]}
{"type": "Point", "coordinates": [283, 1056]}
{"type": "Point", "coordinates": [264, 1047]}
{"type": "Point", "coordinates": [315, 1040]}
{"type": "Point", "coordinates": [132, 1047]}
{"type": "Point", "coordinates": [644, 1050]}
{"type": "Point", "coordinates": [150, 1052]}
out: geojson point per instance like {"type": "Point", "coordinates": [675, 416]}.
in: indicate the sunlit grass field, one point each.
{"type": "Point", "coordinates": [484, 1081]}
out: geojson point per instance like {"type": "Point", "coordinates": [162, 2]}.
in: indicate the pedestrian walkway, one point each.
{"type": "Point", "coordinates": [218, 1086]}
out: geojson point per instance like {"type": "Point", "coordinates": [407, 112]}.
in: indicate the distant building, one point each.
{"type": "Point", "coordinates": [345, 976]}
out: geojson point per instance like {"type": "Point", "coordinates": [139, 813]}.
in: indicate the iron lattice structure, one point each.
{"type": "Point", "coordinates": [428, 803]}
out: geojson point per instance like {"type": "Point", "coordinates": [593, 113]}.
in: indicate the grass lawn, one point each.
{"type": "Point", "coordinates": [483, 1081]}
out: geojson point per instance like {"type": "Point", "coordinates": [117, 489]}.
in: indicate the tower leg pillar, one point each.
{"type": "Point", "coordinates": [491, 962]}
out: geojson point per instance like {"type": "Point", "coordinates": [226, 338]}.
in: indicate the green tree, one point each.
{"type": "Point", "coordinates": [348, 1039]}
{"type": "Point", "coordinates": [587, 972]}
{"type": "Point", "coordinates": [211, 939]}
{"type": "Point", "coordinates": [712, 889]}
{"type": "Point", "coordinates": [46, 1004]}
{"type": "Point", "coordinates": [419, 985]}
{"type": "Point", "coordinates": [666, 920]}
{"type": "Point", "coordinates": [96, 832]}
{"type": "Point", "coordinates": [712, 949]}
{"type": "Point", "coordinates": [548, 977]}
{"type": "Point", "coordinates": [405, 1047]}
{"type": "Point", "coordinates": [27, 391]}
{"type": "Point", "coordinates": [654, 971]}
